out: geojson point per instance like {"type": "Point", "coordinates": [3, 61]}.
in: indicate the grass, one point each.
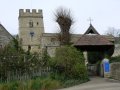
{"type": "Point", "coordinates": [72, 82]}
{"type": "Point", "coordinates": [36, 84]}
{"type": "Point", "coordinates": [40, 83]}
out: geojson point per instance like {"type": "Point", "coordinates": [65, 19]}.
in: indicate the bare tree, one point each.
{"type": "Point", "coordinates": [64, 19]}
{"type": "Point", "coordinates": [113, 31]}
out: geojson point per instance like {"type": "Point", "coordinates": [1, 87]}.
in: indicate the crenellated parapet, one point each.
{"type": "Point", "coordinates": [30, 13]}
{"type": "Point", "coordinates": [31, 28]}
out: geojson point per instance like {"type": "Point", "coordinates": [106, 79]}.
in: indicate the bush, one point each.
{"type": "Point", "coordinates": [79, 71]}
{"type": "Point", "coordinates": [13, 58]}
{"type": "Point", "coordinates": [115, 59]}
{"type": "Point", "coordinates": [69, 62]}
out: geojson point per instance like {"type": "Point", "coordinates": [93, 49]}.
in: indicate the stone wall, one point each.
{"type": "Point", "coordinates": [115, 70]}
{"type": "Point", "coordinates": [116, 50]}
{"type": "Point", "coordinates": [51, 42]}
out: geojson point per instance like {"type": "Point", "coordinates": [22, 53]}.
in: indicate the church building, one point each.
{"type": "Point", "coordinates": [32, 34]}
{"type": "Point", "coordinates": [5, 36]}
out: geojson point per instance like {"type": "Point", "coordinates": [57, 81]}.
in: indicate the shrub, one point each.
{"type": "Point", "coordinates": [13, 58]}
{"type": "Point", "coordinates": [69, 62]}
{"type": "Point", "coordinates": [115, 59]}
{"type": "Point", "coordinates": [79, 71]}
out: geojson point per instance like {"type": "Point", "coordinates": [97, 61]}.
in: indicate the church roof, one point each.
{"type": "Point", "coordinates": [56, 34]}
{"type": "Point", "coordinates": [91, 30]}
{"type": "Point", "coordinates": [91, 40]}
{"type": "Point", "coordinates": [5, 36]}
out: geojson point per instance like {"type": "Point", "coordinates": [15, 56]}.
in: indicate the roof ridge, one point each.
{"type": "Point", "coordinates": [92, 30]}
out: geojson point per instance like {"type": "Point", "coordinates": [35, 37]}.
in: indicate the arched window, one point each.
{"type": "Point", "coordinates": [31, 24]}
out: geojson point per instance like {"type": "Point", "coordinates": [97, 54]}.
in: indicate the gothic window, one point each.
{"type": "Point", "coordinates": [31, 24]}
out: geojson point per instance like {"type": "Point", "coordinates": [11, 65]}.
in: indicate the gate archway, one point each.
{"type": "Point", "coordinates": [92, 41]}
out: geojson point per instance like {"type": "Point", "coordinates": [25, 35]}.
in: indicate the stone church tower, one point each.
{"type": "Point", "coordinates": [30, 29]}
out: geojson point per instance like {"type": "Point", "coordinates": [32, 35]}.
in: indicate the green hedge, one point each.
{"type": "Point", "coordinates": [69, 62]}
{"type": "Point", "coordinates": [115, 59]}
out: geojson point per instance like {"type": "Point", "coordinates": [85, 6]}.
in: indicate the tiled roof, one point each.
{"type": "Point", "coordinates": [92, 40]}
{"type": "Point", "coordinates": [109, 37]}
{"type": "Point", "coordinates": [5, 36]}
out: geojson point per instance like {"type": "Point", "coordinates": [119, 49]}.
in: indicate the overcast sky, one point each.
{"type": "Point", "coordinates": [105, 13]}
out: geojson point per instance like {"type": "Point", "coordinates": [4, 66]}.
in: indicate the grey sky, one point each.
{"type": "Point", "coordinates": [105, 13]}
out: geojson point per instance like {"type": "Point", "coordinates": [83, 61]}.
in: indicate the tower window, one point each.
{"type": "Point", "coordinates": [31, 24]}
{"type": "Point", "coordinates": [31, 34]}
{"type": "Point", "coordinates": [37, 23]}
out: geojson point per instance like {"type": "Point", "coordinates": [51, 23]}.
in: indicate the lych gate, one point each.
{"type": "Point", "coordinates": [92, 41]}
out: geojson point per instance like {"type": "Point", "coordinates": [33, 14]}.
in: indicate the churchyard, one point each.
{"type": "Point", "coordinates": [76, 58]}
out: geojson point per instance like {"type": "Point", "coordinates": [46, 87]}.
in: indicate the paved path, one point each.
{"type": "Point", "coordinates": [97, 83]}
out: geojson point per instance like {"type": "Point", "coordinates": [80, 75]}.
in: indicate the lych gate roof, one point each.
{"type": "Point", "coordinates": [91, 40]}
{"type": "Point", "coordinates": [91, 30]}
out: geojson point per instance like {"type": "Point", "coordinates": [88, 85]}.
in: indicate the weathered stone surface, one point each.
{"type": "Point", "coordinates": [116, 50]}
{"type": "Point", "coordinates": [31, 32]}
{"type": "Point", "coordinates": [115, 70]}
{"type": "Point", "coordinates": [30, 29]}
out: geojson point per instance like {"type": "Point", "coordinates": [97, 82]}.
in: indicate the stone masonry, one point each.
{"type": "Point", "coordinates": [30, 29]}
{"type": "Point", "coordinates": [32, 35]}
{"type": "Point", "coordinates": [115, 70]}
